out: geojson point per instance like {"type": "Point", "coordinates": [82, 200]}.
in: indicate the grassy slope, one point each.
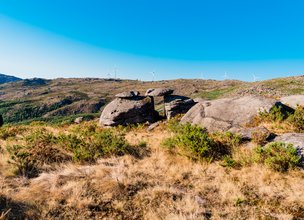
{"type": "Point", "coordinates": [157, 185]}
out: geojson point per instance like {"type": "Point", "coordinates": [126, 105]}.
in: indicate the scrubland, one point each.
{"type": "Point", "coordinates": [172, 172]}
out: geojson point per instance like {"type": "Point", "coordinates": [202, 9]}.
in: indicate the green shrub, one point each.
{"type": "Point", "coordinates": [297, 119]}
{"type": "Point", "coordinates": [229, 162]}
{"type": "Point", "coordinates": [88, 148]}
{"type": "Point", "coordinates": [110, 143]}
{"type": "Point", "coordinates": [8, 132]}
{"type": "Point", "coordinates": [277, 113]}
{"type": "Point", "coordinates": [278, 156]}
{"type": "Point", "coordinates": [227, 139]}
{"type": "Point", "coordinates": [40, 136]}
{"type": "Point", "coordinates": [20, 156]}
{"type": "Point", "coordinates": [195, 142]}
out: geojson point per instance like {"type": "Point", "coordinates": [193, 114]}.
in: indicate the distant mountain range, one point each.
{"type": "Point", "coordinates": [6, 78]}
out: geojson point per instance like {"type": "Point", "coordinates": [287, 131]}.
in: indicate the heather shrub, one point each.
{"type": "Point", "coordinates": [194, 142]}
{"type": "Point", "coordinates": [277, 113]}
{"type": "Point", "coordinates": [278, 156]}
{"type": "Point", "coordinates": [227, 139]}
{"type": "Point", "coordinates": [21, 158]}
{"type": "Point", "coordinates": [297, 119]}
{"type": "Point", "coordinates": [259, 137]}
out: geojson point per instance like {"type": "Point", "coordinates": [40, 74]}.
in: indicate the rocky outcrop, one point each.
{"type": "Point", "coordinates": [175, 104]}
{"type": "Point", "coordinates": [228, 113]}
{"type": "Point", "coordinates": [293, 100]}
{"type": "Point", "coordinates": [122, 111]}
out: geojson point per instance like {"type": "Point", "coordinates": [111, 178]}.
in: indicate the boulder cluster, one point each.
{"type": "Point", "coordinates": [130, 107]}
{"type": "Point", "coordinates": [236, 114]}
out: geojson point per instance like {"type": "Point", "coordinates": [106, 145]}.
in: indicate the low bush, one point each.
{"type": "Point", "coordinates": [277, 113]}
{"type": "Point", "coordinates": [260, 137]}
{"type": "Point", "coordinates": [13, 131]}
{"type": "Point", "coordinates": [21, 158]}
{"type": "Point", "coordinates": [42, 148]}
{"type": "Point", "coordinates": [297, 119]}
{"type": "Point", "coordinates": [195, 142]}
{"type": "Point", "coordinates": [229, 162]}
{"type": "Point", "coordinates": [278, 156]}
{"type": "Point", "coordinates": [227, 139]}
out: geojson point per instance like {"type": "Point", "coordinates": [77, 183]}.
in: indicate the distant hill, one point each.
{"type": "Point", "coordinates": [56, 99]}
{"type": "Point", "coordinates": [6, 78]}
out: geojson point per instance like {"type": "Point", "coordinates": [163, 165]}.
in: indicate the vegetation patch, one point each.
{"type": "Point", "coordinates": [297, 119]}
{"type": "Point", "coordinates": [284, 120]}
{"type": "Point", "coordinates": [39, 149]}
{"type": "Point", "coordinates": [216, 93]}
{"type": "Point", "coordinates": [278, 156]}
{"type": "Point", "coordinates": [196, 143]}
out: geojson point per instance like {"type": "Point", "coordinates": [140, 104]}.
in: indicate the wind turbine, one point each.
{"type": "Point", "coordinates": [225, 76]}
{"type": "Point", "coordinates": [255, 77]}
{"type": "Point", "coordinates": [153, 75]}
{"type": "Point", "coordinates": [115, 72]}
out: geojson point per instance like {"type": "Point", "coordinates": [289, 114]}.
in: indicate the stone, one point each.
{"type": "Point", "coordinates": [78, 120]}
{"type": "Point", "coordinates": [128, 111]}
{"type": "Point", "coordinates": [153, 126]}
{"type": "Point", "coordinates": [228, 113]}
{"type": "Point", "coordinates": [293, 100]}
{"type": "Point", "coordinates": [129, 94]}
{"type": "Point", "coordinates": [296, 139]}
{"type": "Point", "coordinates": [248, 133]}
{"type": "Point", "coordinates": [175, 104]}
{"type": "Point", "coordinates": [159, 92]}
{"type": "Point", "coordinates": [199, 100]}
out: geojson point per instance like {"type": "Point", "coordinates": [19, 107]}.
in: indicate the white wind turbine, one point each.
{"type": "Point", "coordinates": [225, 76]}
{"type": "Point", "coordinates": [254, 77]}
{"type": "Point", "coordinates": [153, 75]}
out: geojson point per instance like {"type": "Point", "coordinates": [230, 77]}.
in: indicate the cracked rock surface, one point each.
{"type": "Point", "coordinates": [228, 113]}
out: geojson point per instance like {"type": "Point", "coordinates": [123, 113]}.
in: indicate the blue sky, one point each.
{"type": "Point", "coordinates": [174, 39]}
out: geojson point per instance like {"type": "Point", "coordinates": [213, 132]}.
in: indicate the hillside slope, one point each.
{"type": "Point", "coordinates": [6, 78]}
{"type": "Point", "coordinates": [39, 99]}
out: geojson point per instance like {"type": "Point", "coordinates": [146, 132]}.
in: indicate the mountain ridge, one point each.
{"type": "Point", "coordinates": [8, 78]}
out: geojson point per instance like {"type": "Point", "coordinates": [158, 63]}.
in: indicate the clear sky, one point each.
{"type": "Point", "coordinates": [215, 39]}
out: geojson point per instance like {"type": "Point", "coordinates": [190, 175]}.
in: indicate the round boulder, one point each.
{"type": "Point", "coordinates": [127, 111]}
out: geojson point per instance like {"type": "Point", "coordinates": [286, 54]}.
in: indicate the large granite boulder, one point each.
{"type": "Point", "coordinates": [293, 100]}
{"type": "Point", "coordinates": [175, 104]}
{"type": "Point", "coordinates": [296, 139]}
{"type": "Point", "coordinates": [159, 92]}
{"type": "Point", "coordinates": [228, 113]}
{"type": "Point", "coordinates": [128, 111]}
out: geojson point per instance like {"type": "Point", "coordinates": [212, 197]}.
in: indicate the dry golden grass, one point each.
{"type": "Point", "coordinates": [157, 186]}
